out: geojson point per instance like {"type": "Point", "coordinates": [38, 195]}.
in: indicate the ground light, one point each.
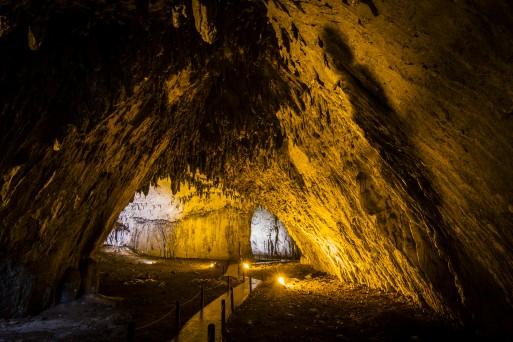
{"type": "Point", "coordinates": [281, 281]}
{"type": "Point", "coordinates": [213, 264]}
{"type": "Point", "coordinates": [246, 266]}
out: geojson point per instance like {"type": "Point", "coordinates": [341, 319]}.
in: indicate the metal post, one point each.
{"type": "Point", "coordinates": [228, 281]}
{"type": "Point", "coordinates": [211, 332]}
{"type": "Point", "coordinates": [250, 285]}
{"type": "Point", "coordinates": [243, 276]}
{"type": "Point", "coordinates": [177, 318]}
{"type": "Point", "coordinates": [202, 298]}
{"type": "Point", "coordinates": [223, 317]}
{"type": "Point", "coordinates": [238, 271]}
{"type": "Point", "coordinates": [131, 332]}
{"type": "Point", "coordinates": [232, 303]}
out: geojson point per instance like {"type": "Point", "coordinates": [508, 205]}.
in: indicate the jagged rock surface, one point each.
{"type": "Point", "coordinates": [379, 133]}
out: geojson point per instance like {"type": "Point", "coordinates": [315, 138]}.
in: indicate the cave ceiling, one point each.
{"type": "Point", "coordinates": [378, 132]}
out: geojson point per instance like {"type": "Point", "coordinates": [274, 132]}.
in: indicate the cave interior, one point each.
{"type": "Point", "coordinates": [379, 133]}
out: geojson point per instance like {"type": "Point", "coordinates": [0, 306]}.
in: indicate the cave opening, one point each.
{"type": "Point", "coordinates": [270, 239]}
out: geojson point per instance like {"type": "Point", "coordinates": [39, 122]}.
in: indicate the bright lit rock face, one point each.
{"type": "Point", "coordinates": [162, 224]}
{"type": "Point", "coordinates": [146, 221]}
{"type": "Point", "coordinates": [269, 236]}
{"type": "Point", "coordinates": [378, 132]}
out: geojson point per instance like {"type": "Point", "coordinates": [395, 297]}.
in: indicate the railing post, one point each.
{"type": "Point", "coordinates": [131, 332]}
{"type": "Point", "coordinates": [211, 332]}
{"type": "Point", "coordinates": [250, 285]}
{"type": "Point", "coordinates": [202, 298]}
{"type": "Point", "coordinates": [232, 303]}
{"type": "Point", "coordinates": [223, 317]}
{"type": "Point", "coordinates": [243, 276]}
{"type": "Point", "coordinates": [177, 318]}
{"type": "Point", "coordinates": [228, 283]}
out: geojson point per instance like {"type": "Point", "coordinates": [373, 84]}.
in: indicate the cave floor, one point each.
{"type": "Point", "coordinates": [312, 306]}
{"type": "Point", "coordinates": [133, 288]}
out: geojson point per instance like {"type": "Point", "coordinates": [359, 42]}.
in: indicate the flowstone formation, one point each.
{"type": "Point", "coordinates": [379, 133]}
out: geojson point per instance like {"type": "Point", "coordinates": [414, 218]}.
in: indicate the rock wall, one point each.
{"type": "Point", "coordinates": [396, 185]}
{"type": "Point", "coordinates": [222, 234]}
{"type": "Point", "coordinates": [269, 237]}
{"type": "Point", "coordinates": [379, 133]}
{"type": "Point", "coordinates": [160, 224]}
{"type": "Point", "coordinates": [95, 104]}
{"type": "Point", "coordinates": [145, 223]}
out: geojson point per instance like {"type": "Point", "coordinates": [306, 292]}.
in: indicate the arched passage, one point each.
{"type": "Point", "coordinates": [270, 238]}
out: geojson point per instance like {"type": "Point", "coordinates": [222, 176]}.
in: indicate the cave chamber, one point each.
{"type": "Point", "coordinates": [378, 132]}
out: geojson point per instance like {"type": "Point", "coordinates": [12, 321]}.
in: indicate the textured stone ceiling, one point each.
{"type": "Point", "coordinates": [379, 133]}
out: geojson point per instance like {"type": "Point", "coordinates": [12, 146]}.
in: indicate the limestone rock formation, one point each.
{"type": "Point", "coordinates": [379, 133]}
{"type": "Point", "coordinates": [270, 238]}
{"type": "Point", "coordinates": [184, 225]}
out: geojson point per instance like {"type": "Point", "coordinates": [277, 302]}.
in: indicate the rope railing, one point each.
{"type": "Point", "coordinates": [176, 310]}
{"type": "Point", "coordinates": [158, 320]}
{"type": "Point", "coordinates": [187, 302]}
{"type": "Point", "coordinates": [214, 287]}
{"type": "Point", "coordinates": [190, 300]}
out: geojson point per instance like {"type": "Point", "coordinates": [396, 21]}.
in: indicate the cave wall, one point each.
{"type": "Point", "coordinates": [145, 223]}
{"type": "Point", "coordinates": [222, 234]}
{"type": "Point", "coordinates": [92, 95]}
{"type": "Point", "coordinates": [269, 237]}
{"type": "Point", "coordinates": [162, 224]}
{"type": "Point", "coordinates": [396, 185]}
{"type": "Point", "coordinates": [379, 133]}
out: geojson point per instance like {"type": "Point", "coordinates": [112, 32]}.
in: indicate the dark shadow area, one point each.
{"type": "Point", "coordinates": [372, 7]}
